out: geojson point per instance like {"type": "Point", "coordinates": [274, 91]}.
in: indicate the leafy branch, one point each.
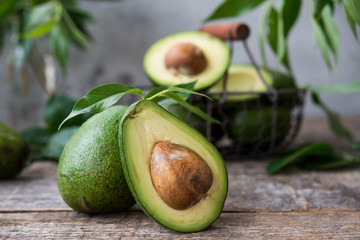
{"type": "Point", "coordinates": [64, 23]}
{"type": "Point", "coordinates": [276, 24]}
{"type": "Point", "coordinates": [102, 97]}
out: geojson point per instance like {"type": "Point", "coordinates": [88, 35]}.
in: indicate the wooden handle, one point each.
{"type": "Point", "coordinates": [237, 31]}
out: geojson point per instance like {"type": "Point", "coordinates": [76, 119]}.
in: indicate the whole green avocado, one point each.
{"type": "Point", "coordinates": [14, 152]}
{"type": "Point", "coordinates": [90, 176]}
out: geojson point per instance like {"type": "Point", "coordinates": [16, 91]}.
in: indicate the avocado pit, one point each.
{"type": "Point", "coordinates": [185, 59]}
{"type": "Point", "coordinates": [179, 175]}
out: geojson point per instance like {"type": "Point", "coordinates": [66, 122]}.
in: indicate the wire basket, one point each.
{"type": "Point", "coordinates": [266, 124]}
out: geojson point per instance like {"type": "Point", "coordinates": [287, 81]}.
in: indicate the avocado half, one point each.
{"type": "Point", "coordinates": [215, 57]}
{"type": "Point", "coordinates": [242, 80]}
{"type": "Point", "coordinates": [143, 128]}
{"type": "Point", "coordinates": [14, 152]}
{"type": "Point", "coordinates": [90, 176]}
{"type": "Point", "coordinates": [251, 116]}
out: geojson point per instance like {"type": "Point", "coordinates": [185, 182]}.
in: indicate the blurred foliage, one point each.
{"type": "Point", "coordinates": [23, 22]}
{"type": "Point", "coordinates": [46, 142]}
{"type": "Point", "coordinates": [279, 17]}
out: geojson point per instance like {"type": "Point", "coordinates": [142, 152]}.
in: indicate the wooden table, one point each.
{"type": "Point", "coordinates": [294, 204]}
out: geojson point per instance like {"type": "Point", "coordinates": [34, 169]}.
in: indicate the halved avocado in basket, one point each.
{"type": "Point", "coordinates": [185, 57]}
{"type": "Point", "coordinates": [175, 175]}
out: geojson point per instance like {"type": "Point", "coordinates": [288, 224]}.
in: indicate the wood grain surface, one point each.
{"type": "Point", "coordinates": [294, 204]}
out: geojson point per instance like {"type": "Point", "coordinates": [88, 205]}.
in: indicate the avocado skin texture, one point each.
{"type": "Point", "coordinates": [90, 176]}
{"type": "Point", "coordinates": [14, 152]}
{"type": "Point", "coordinates": [253, 128]}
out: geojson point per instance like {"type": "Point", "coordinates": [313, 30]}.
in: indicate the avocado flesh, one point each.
{"type": "Point", "coordinates": [14, 152]}
{"type": "Point", "coordinates": [90, 176]}
{"type": "Point", "coordinates": [242, 78]}
{"type": "Point", "coordinates": [216, 53]}
{"type": "Point", "coordinates": [141, 130]}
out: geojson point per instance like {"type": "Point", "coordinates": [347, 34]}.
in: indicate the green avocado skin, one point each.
{"type": "Point", "coordinates": [90, 176]}
{"type": "Point", "coordinates": [14, 152]}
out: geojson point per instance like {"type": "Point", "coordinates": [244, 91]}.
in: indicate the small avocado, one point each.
{"type": "Point", "coordinates": [176, 176]}
{"type": "Point", "coordinates": [14, 152]}
{"type": "Point", "coordinates": [90, 176]}
{"type": "Point", "coordinates": [256, 129]}
{"type": "Point", "coordinates": [185, 57]}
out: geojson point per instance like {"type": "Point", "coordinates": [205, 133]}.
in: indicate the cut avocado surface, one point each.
{"type": "Point", "coordinates": [185, 57]}
{"type": "Point", "coordinates": [143, 129]}
{"type": "Point", "coordinates": [90, 176]}
{"type": "Point", "coordinates": [242, 79]}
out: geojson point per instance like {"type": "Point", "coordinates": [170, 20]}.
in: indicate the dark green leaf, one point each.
{"type": "Point", "coordinates": [355, 145]}
{"type": "Point", "coordinates": [59, 44]}
{"type": "Point", "coordinates": [81, 37]}
{"type": "Point", "coordinates": [179, 99]}
{"type": "Point", "coordinates": [315, 149]}
{"type": "Point", "coordinates": [290, 12]}
{"type": "Point", "coordinates": [320, 5]}
{"type": "Point", "coordinates": [101, 98]}
{"type": "Point", "coordinates": [331, 31]}
{"type": "Point", "coordinates": [234, 8]}
{"type": "Point", "coordinates": [351, 24]}
{"type": "Point", "coordinates": [57, 143]}
{"type": "Point", "coordinates": [77, 13]}
{"type": "Point", "coordinates": [333, 119]}
{"type": "Point", "coordinates": [321, 41]}
{"type": "Point", "coordinates": [57, 108]}
{"type": "Point", "coordinates": [262, 30]}
{"type": "Point", "coordinates": [344, 88]}
{"type": "Point", "coordinates": [353, 8]}
{"type": "Point", "coordinates": [37, 138]}
{"type": "Point", "coordinates": [273, 38]}
{"type": "Point", "coordinates": [7, 7]}
{"type": "Point", "coordinates": [327, 162]}
{"type": "Point", "coordinates": [42, 18]}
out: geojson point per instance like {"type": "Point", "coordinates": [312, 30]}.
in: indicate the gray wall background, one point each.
{"type": "Point", "coordinates": [124, 30]}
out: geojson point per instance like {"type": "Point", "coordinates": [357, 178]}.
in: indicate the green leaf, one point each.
{"type": "Point", "coordinates": [57, 108]}
{"type": "Point", "coordinates": [234, 8]}
{"type": "Point", "coordinates": [59, 44]}
{"type": "Point", "coordinates": [7, 7]}
{"type": "Point", "coordinates": [188, 86]}
{"type": "Point", "coordinates": [190, 107]}
{"type": "Point", "coordinates": [327, 162]}
{"type": "Point", "coordinates": [276, 39]}
{"type": "Point", "coordinates": [262, 30]}
{"type": "Point", "coordinates": [315, 149]}
{"type": "Point", "coordinates": [353, 8]}
{"type": "Point", "coordinates": [333, 119]}
{"type": "Point", "coordinates": [321, 40]}
{"type": "Point", "coordinates": [37, 138]}
{"type": "Point", "coordinates": [355, 145]}
{"type": "Point", "coordinates": [57, 143]}
{"type": "Point", "coordinates": [81, 37]}
{"type": "Point", "coordinates": [331, 31]}
{"type": "Point", "coordinates": [290, 11]}
{"type": "Point", "coordinates": [351, 24]}
{"type": "Point", "coordinates": [42, 18]}
{"type": "Point", "coordinates": [101, 98]}
{"type": "Point", "coordinates": [343, 88]}
{"type": "Point", "coordinates": [320, 5]}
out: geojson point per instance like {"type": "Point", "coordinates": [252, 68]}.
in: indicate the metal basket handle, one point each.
{"type": "Point", "coordinates": [231, 32]}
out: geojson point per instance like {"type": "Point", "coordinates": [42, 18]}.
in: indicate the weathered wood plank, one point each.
{"type": "Point", "coordinates": [250, 188]}
{"type": "Point", "coordinates": [135, 225]}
